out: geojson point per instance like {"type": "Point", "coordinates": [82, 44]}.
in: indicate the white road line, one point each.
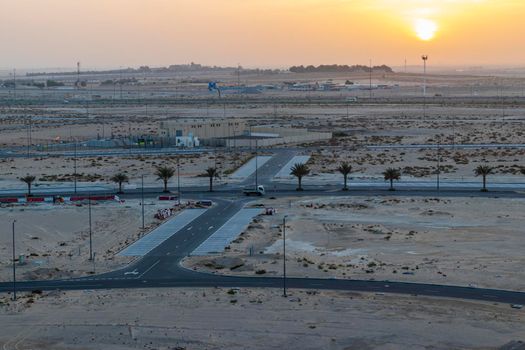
{"type": "Point", "coordinates": [152, 266]}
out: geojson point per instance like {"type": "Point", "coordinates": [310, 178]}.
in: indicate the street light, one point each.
{"type": "Point", "coordinates": [142, 201]}
{"type": "Point", "coordinates": [178, 177]}
{"type": "Point", "coordinates": [90, 232]}
{"type": "Point", "coordinates": [284, 256]}
{"type": "Point", "coordinates": [14, 265]}
{"type": "Point", "coordinates": [424, 58]}
{"type": "Point", "coordinates": [370, 86]}
{"type": "Point", "coordinates": [75, 165]}
{"type": "Point", "coordinates": [438, 162]}
{"type": "Point", "coordinates": [256, 166]}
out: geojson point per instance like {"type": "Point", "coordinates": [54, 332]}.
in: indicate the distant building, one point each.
{"type": "Point", "coordinates": [236, 133]}
{"type": "Point", "coordinates": [202, 129]}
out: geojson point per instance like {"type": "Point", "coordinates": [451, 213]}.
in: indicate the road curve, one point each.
{"type": "Point", "coordinates": [161, 269]}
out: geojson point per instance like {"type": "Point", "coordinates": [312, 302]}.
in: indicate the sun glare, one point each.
{"type": "Point", "coordinates": [425, 29]}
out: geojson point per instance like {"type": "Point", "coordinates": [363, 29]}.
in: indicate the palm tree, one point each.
{"type": "Point", "coordinates": [212, 173]}
{"type": "Point", "coordinates": [28, 179]}
{"type": "Point", "coordinates": [165, 173]}
{"type": "Point", "coordinates": [300, 170]}
{"type": "Point", "coordinates": [120, 178]}
{"type": "Point", "coordinates": [392, 174]}
{"type": "Point", "coordinates": [483, 170]}
{"type": "Point", "coordinates": [345, 168]}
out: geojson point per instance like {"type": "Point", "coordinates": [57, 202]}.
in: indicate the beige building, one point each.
{"type": "Point", "coordinates": [203, 129]}
{"type": "Point", "coordinates": [236, 133]}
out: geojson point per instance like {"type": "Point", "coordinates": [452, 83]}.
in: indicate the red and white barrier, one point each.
{"type": "Point", "coordinates": [59, 199]}
{"type": "Point", "coordinates": [168, 198]}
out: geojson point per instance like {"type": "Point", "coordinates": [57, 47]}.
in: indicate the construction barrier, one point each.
{"type": "Point", "coordinates": [58, 199]}
{"type": "Point", "coordinates": [168, 198]}
{"type": "Point", "coordinates": [93, 198]}
{"type": "Point", "coordinates": [8, 200]}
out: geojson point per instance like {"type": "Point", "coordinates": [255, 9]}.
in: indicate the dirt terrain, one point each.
{"type": "Point", "coordinates": [53, 240]}
{"type": "Point", "coordinates": [256, 319]}
{"type": "Point", "coordinates": [461, 241]}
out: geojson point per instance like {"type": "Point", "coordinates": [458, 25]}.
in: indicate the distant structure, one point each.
{"type": "Point", "coordinates": [202, 128]}
{"type": "Point", "coordinates": [236, 133]}
{"type": "Point", "coordinates": [425, 59]}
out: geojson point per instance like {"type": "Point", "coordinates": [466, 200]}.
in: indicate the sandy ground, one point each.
{"type": "Point", "coordinates": [460, 241]}
{"type": "Point", "coordinates": [99, 170]}
{"type": "Point", "coordinates": [54, 240]}
{"type": "Point", "coordinates": [253, 319]}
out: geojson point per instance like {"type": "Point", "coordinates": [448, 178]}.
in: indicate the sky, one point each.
{"type": "Point", "coordinates": [260, 33]}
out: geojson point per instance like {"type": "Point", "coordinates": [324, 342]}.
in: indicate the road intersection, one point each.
{"type": "Point", "coordinates": [161, 266]}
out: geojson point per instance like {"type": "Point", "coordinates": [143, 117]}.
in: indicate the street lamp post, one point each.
{"type": "Point", "coordinates": [256, 166]}
{"type": "Point", "coordinates": [438, 163]}
{"type": "Point", "coordinates": [14, 265]}
{"type": "Point", "coordinates": [90, 231]}
{"type": "Point", "coordinates": [284, 256]}
{"type": "Point", "coordinates": [370, 86]}
{"type": "Point", "coordinates": [178, 178]}
{"type": "Point", "coordinates": [75, 166]}
{"type": "Point", "coordinates": [425, 58]}
{"type": "Point", "coordinates": [142, 201]}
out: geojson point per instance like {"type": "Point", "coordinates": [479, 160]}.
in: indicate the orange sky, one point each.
{"type": "Point", "coordinates": [266, 33]}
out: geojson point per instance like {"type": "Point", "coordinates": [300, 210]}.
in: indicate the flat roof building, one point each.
{"type": "Point", "coordinates": [203, 129]}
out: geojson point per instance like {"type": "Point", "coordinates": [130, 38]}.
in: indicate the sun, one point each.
{"type": "Point", "coordinates": [425, 28]}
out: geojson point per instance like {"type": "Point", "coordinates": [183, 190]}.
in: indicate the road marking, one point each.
{"type": "Point", "coordinates": [490, 296]}
{"type": "Point", "coordinates": [189, 228]}
{"type": "Point", "coordinates": [152, 266]}
{"type": "Point", "coordinates": [134, 272]}
{"type": "Point", "coordinates": [209, 228]}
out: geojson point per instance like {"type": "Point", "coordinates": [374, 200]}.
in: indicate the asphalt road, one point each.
{"type": "Point", "coordinates": [161, 267]}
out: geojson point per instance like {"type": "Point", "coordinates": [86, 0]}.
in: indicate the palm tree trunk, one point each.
{"type": "Point", "coordinates": [29, 189]}
{"type": "Point", "coordinates": [165, 185]}
{"type": "Point", "coordinates": [484, 183]}
{"type": "Point", "coordinates": [300, 188]}
{"type": "Point", "coordinates": [346, 187]}
{"type": "Point", "coordinates": [391, 184]}
{"type": "Point", "coordinates": [211, 184]}
{"type": "Point", "coordinates": [120, 187]}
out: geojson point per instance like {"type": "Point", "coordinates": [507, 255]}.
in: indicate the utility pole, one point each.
{"type": "Point", "coordinates": [78, 75]}
{"type": "Point", "coordinates": [14, 83]}
{"type": "Point", "coordinates": [256, 166]}
{"type": "Point", "coordinates": [370, 87]}
{"type": "Point", "coordinates": [90, 231]}
{"type": "Point", "coordinates": [14, 265]}
{"type": "Point", "coordinates": [29, 137]}
{"type": "Point", "coordinates": [284, 256]}
{"type": "Point", "coordinates": [178, 177]}
{"type": "Point", "coordinates": [75, 165]}
{"type": "Point", "coordinates": [438, 162]}
{"type": "Point", "coordinates": [142, 201]}
{"type": "Point", "coordinates": [120, 82]}
{"type": "Point", "coordinates": [424, 58]}
{"type": "Point", "coordinates": [454, 135]}
{"type": "Point", "coordinates": [239, 77]}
